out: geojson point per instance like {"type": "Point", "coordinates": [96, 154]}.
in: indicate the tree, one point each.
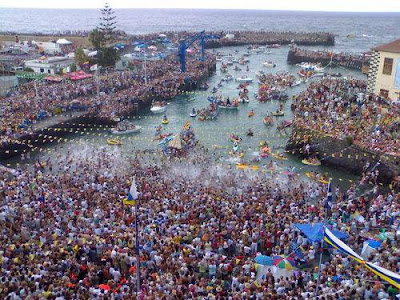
{"type": "Point", "coordinates": [97, 38]}
{"type": "Point", "coordinates": [107, 57]}
{"type": "Point", "coordinates": [107, 23]}
{"type": "Point", "coordinates": [80, 56]}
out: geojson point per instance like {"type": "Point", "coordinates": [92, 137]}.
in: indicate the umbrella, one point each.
{"type": "Point", "coordinates": [264, 260]}
{"type": "Point", "coordinates": [283, 262]}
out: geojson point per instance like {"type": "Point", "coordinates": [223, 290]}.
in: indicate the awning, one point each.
{"type": "Point", "coordinates": [54, 78]}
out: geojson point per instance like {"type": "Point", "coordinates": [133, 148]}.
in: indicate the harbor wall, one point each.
{"type": "Point", "coordinates": [296, 56]}
{"type": "Point", "coordinates": [342, 153]}
{"type": "Point", "coordinates": [74, 125]}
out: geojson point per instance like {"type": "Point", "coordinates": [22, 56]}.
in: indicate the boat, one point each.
{"type": "Point", "coordinates": [311, 162]}
{"type": "Point", "coordinates": [203, 87]}
{"type": "Point", "coordinates": [284, 124]}
{"type": "Point", "coordinates": [235, 138]}
{"type": "Point", "coordinates": [244, 79]}
{"type": "Point", "coordinates": [278, 113]}
{"type": "Point", "coordinates": [236, 68]}
{"type": "Point", "coordinates": [127, 130]}
{"type": "Point", "coordinates": [244, 100]}
{"type": "Point", "coordinates": [158, 108]}
{"type": "Point", "coordinates": [297, 83]}
{"type": "Point", "coordinates": [235, 60]}
{"type": "Point", "coordinates": [269, 64]}
{"type": "Point", "coordinates": [225, 106]}
{"type": "Point", "coordinates": [274, 46]}
{"type": "Point", "coordinates": [279, 156]}
{"type": "Point", "coordinates": [193, 114]}
{"type": "Point", "coordinates": [250, 114]}
{"type": "Point", "coordinates": [165, 121]}
{"type": "Point", "coordinates": [317, 177]}
{"type": "Point", "coordinates": [223, 69]}
{"type": "Point", "coordinates": [229, 62]}
{"type": "Point", "coordinates": [268, 121]}
{"type": "Point", "coordinates": [227, 77]}
{"type": "Point", "coordinates": [114, 142]}
{"type": "Point", "coordinates": [265, 151]}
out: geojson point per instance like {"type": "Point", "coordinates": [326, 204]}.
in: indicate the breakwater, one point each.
{"type": "Point", "coordinates": [56, 132]}
{"type": "Point", "coordinates": [342, 153]}
{"type": "Point", "coordinates": [352, 61]}
{"type": "Point", "coordinates": [241, 38]}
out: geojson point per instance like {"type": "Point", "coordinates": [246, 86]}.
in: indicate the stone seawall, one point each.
{"type": "Point", "coordinates": [343, 60]}
{"type": "Point", "coordinates": [342, 154]}
{"type": "Point", "coordinates": [56, 132]}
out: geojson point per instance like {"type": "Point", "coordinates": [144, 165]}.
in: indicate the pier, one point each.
{"type": "Point", "coordinates": [352, 61]}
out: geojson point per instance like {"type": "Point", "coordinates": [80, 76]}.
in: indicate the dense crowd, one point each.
{"type": "Point", "coordinates": [65, 233]}
{"type": "Point", "coordinates": [343, 109]}
{"type": "Point", "coordinates": [341, 59]}
{"type": "Point", "coordinates": [118, 92]}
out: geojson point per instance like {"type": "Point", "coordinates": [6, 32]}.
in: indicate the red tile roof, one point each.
{"type": "Point", "coordinates": [390, 47]}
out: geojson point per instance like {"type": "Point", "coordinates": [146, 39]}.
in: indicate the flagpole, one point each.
{"type": "Point", "coordinates": [137, 250]}
{"type": "Point", "coordinates": [328, 198]}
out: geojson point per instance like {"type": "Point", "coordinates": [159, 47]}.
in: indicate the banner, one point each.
{"type": "Point", "coordinates": [397, 76]}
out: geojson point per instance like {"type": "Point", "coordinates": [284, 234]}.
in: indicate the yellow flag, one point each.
{"type": "Point", "coordinates": [128, 202]}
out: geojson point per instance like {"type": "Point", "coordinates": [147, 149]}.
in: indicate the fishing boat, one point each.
{"type": "Point", "coordinates": [125, 129]}
{"type": "Point", "coordinates": [269, 64]}
{"type": "Point", "coordinates": [317, 177]}
{"type": "Point", "coordinates": [114, 142]}
{"type": "Point", "coordinates": [311, 162]}
{"type": "Point", "coordinates": [279, 156]}
{"type": "Point", "coordinates": [268, 121]}
{"type": "Point", "coordinates": [244, 79]}
{"type": "Point", "coordinates": [158, 108]}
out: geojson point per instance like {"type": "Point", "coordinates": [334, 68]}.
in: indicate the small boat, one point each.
{"type": "Point", "coordinates": [274, 46]}
{"type": "Point", "coordinates": [244, 79]}
{"type": "Point", "coordinates": [235, 60]}
{"type": "Point", "coordinates": [193, 114]}
{"type": "Point", "coordinates": [268, 121]}
{"type": "Point", "coordinates": [227, 77]}
{"type": "Point", "coordinates": [203, 87]}
{"type": "Point", "coordinates": [114, 142]}
{"type": "Point", "coordinates": [279, 156]}
{"type": "Point", "coordinates": [236, 68]}
{"type": "Point", "coordinates": [285, 124]}
{"type": "Point", "coordinates": [165, 121]}
{"type": "Point", "coordinates": [298, 82]}
{"type": "Point", "coordinates": [158, 109]}
{"type": "Point", "coordinates": [235, 139]}
{"type": "Point", "coordinates": [250, 114]}
{"type": "Point", "coordinates": [224, 70]}
{"type": "Point", "coordinates": [133, 129]}
{"type": "Point", "coordinates": [265, 151]}
{"type": "Point", "coordinates": [311, 162]}
{"type": "Point", "coordinates": [244, 100]}
{"type": "Point", "coordinates": [317, 177]}
{"type": "Point", "coordinates": [269, 64]}
{"type": "Point", "coordinates": [229, 62]}
{"type": "Point", "coordinates": [278, 113]}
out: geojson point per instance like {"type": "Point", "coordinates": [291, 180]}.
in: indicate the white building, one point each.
{"type": "Point", "coordinates": [50, 65]}
{"type": "Point", "coordinates": [384, 71]}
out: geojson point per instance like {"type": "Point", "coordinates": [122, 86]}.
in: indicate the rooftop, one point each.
{"type": "Point", "coordinates": [390, 47]}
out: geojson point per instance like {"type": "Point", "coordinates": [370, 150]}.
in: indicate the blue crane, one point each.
{"type": "Point", "coordinates": [186, 43]}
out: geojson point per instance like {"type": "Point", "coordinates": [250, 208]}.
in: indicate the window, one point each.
{"type": "Point", "coordinates": [387, 66]}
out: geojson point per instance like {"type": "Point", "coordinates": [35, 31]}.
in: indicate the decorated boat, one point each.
{"type": "Point", "coordinates": [123, 128]}
{"type": "Point", "coordinates": [158, 107]}
{"type": "Point", "coordinates": [114, 142]}
{"type": "Point", "coordinates": [279, 156]}
{"type": "Point", "coordinates": [311, 161]}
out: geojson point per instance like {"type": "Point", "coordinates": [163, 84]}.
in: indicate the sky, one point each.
{"type": "Point", "coordinates": [309, 5]}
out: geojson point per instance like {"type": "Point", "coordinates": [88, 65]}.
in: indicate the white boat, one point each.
{"type": "Point", "coordinates": [218, 59]}
{"type": "Point", "coordinates": [235, 60]}
{"type": "Point", "coordinates": [134, 129]}
{"type": "Point", "coordinates": [156, 109]}
{"type": "Point", "coordinates": [259, 74]}
{"type": "Point", "coordinates": [269, 64]}
{"type": "Point", "coordinates": [229, 62]}
{"type": "Point", "coordinates": [193, 115]}
{"type": "Point", "coordinates": [227, 77]}
{"type": "Point", "coordinates": [298, 82]}
{"type": "Point", "coordinates": [244, 100]}
{"type": "Point", "coordinates": [244, 79]}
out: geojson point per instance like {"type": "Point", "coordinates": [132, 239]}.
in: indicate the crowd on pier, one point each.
{"type": "Point", "coordinates": [65, 233]}
{"type": "Point", "coordinates": [341, 59]}
{"type": "Point", "coordinates": [118, 91]}
{"type": "Point", "coordinates": [343, 109]}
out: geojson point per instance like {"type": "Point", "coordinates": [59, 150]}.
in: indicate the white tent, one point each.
{"type": "Point", "coordinates": [63, 42]}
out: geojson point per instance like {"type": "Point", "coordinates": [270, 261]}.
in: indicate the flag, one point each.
{"type": "Point", "coordinates": [328, 202]}
{"type": "Point", "coordinates": [132, 195]}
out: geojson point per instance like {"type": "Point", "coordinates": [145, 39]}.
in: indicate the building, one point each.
{"type": "Point", "coordinates": [384, 71]}
{"type": "Point", "coordinates": [50, 65]}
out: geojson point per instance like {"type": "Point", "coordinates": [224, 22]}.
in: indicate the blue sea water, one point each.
{"type": "Point", "coordinates": [368, 29]}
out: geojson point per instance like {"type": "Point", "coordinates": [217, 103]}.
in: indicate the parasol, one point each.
{"type": "Point", "coordinates": [284, 262]}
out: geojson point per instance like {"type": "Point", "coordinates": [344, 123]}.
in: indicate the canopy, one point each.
{"type": "Point", "coordinates": [283, 262]}
{"type": "Point", "coordinates": [63, 42]}
{"type": "Point", "coordinates": [78, 75]}
{"type": "Point", "coordinates": [54, 78]}
{"type": "Point", "coordinates": [264, 260]}
{"type": "Point", "coordinates": [315, 232]}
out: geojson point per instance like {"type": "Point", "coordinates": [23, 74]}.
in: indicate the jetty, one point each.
{"type": "Point", "coordinates": [352, 61]}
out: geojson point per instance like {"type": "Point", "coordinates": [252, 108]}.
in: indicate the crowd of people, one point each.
{"type": "Point", "coordinates": [66, 234]}
{"type": "Point", "coordinates": [340, 59]}
{"type": "Point", "coordinates": [118, 91]}
{"type": "Point", "coordinates": [342, 108]}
